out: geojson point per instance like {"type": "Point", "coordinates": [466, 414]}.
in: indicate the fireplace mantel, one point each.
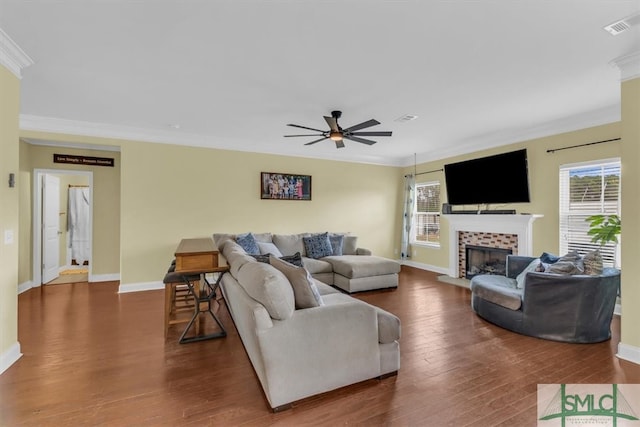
{"type": "Point", "coordinates": [521, 225]}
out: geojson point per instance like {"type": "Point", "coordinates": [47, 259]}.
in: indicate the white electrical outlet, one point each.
{"type": "Point", "coordinates": [8, 237]}
{"type": "Point", "coordinates": [395, 251]}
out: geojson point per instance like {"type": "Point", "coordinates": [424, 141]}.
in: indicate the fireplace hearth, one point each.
{"type": "Point", "coordinates": [485, 260]}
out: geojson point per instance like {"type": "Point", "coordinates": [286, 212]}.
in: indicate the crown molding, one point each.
{"type": "Point", "coordinates": [629, 65]}
{"type": "Point", "coordinates": [11, 56]}
{"type": "Point", "coordinates": [602, 116]}
{"type": "Point", "coordinates": [129, 133]}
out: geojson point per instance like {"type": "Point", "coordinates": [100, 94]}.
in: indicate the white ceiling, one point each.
{"type": "Point", "coordinates": [233, 73]}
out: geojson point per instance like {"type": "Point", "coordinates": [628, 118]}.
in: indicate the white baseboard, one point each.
{"type": "Point", "coordinates": [104, 277]}
{"type": "Point", "coordinates": [427, 267]}
{"type": "Point", "coordinates": [10, 357]}
{"type": "Point", "coordinates": [137, 287]}
{"type": "Point", "coordinates": [629, 353]}
{"type": "Point", "coordinates": [23, 287]}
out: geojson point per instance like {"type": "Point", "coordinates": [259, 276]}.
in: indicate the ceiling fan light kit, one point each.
{"type": "Point", "coordinates": [337, 134]}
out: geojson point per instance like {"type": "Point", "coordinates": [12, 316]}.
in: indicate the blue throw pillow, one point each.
{"type": "Point", "coordinates": [248, 243]}
{"type": "Point", "coordinates": [318, 245]}
{"type": "Point", "coordinates": [548, 258]}
{"type": "Point", "coordinates": [337, 241]}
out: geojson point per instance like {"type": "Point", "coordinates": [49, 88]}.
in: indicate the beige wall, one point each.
{"type": "Point", "coordinates": [9, 202]}
{"type": "Point", "coordinates": [630, 242]}
{"type": "Point", "coordinates": [106, 204]}
{"type": "Point", "coordinates": [171, 192]}
{"type": "Point", "coordinates": [543, 184]}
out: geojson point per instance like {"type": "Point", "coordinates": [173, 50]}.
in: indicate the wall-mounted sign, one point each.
{"type": "Point", "coordinates": [83, 160]}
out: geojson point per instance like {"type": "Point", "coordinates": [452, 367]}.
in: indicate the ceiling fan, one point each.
{"type": "Point", "coordinates": [337, 134]}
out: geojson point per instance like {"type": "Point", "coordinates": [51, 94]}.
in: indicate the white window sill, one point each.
{"type": "Point", "coordinates": [426, 245]}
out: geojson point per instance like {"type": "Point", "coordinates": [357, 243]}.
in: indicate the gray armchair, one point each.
{"type": "Point", "coordinates": [568, 308]}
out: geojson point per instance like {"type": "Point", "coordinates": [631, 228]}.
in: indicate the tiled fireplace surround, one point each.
{"type": "Point", "coordinates": [497, 231]}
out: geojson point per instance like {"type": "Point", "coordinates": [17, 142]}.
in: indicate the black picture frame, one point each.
{"type": "Point", "coordinates": [285, 186]}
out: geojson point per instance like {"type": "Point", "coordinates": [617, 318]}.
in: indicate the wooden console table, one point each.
{"type": "Point", "coordinates": [200, 256]}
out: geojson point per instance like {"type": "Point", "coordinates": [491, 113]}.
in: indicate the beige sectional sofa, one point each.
{"type": "Point", "coordinates": [354, 270]}
{"type": "Point", "coordinates": [302, 336]}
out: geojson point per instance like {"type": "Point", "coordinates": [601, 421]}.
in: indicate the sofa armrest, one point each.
{"type": "Point", "coordinates": [363, 251]}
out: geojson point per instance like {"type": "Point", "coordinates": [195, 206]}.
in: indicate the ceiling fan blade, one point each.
{"type": "Point", "coordinates": [304, 127]}
{"type": "Point", "coordinates": [339, 144]}
{"type": "Point", "coordinates": [317, 140]}
{"type": "Point", "coordinates": [373, 133]}
{"type": "Point", "coordinates": [362, 140]}
{"type": "Point", "coordinates": [333, 123]}
{"type": "Point", "coordinates": [309, 134]}
{"type": "Point", "coordinates": [362, 125]}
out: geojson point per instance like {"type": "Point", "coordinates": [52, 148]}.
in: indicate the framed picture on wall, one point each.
{"type": "Point", "coordinates": [285, 186]}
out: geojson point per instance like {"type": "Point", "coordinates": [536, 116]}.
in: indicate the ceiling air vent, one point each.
{"type": "Point", "coordinates": [623, 24]}
{"type": "Point", "coordinates": [406, 118]}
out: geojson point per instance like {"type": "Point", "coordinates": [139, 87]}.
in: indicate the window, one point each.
{"type": "Point", "coordinates": [588, 189]}
{"type": "Point", "coordinates": [426, 214]}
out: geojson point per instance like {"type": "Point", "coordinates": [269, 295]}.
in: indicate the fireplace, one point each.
{"type": "Point", "coordinates": [485, 260]}
{"type": "Point", "coordinates": [513, 232]}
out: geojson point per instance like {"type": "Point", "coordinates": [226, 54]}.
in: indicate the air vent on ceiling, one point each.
{"type": "Point", "coordinates": [406, 118]}
{"type": "Point", "coordinates": [623, 24]}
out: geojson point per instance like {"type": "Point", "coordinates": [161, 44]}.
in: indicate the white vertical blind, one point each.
{"type": "Point", "coordinates": [426, 221]}
{"type": "Point", "coordinates": [585, 190]}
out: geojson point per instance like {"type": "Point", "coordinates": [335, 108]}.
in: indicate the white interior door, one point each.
{"type": "Point", "coordinates": [50, 228]}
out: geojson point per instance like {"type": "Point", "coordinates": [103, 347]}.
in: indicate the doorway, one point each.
{"type": "Point", "coordinates": [52, 253]}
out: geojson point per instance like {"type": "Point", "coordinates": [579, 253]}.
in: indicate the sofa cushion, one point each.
{"type": "Point", "coordinates": [357, 266]}
{"type": "Point", "coordinates": [499, 290]}
{"type": "Point", "coordinates": [325, 289]}
{"type": "Point", "coordinates": [337, 241]}
{"type": "Point", "coordinates": [248, 243]}
{"type": "Point", "coordinates": [268, 248]}
{"type": "Point", "coordinates": [289, 244]}
{"type": "Point", "coordinates": [236, 256]}
{"type": "Point", "coordinates": [350, 245]}
{"type": "Point", "coordinates": [493, 280]}
{"type": "Point", "coordinates": [315, 266]}
{"type": "Point", "coordinates": [221, 238]}
{"type": "Point", "coordinates": [269, 287]}
{"type": "Point", "coordinates": [305, 292]}
{"type": "Point", "coordinates": [317, 245]}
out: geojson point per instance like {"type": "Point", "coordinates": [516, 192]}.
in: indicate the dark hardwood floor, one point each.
{"type": "Point", "coordinates": [96, 357]}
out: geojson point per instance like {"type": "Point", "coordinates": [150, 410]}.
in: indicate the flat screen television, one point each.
{"type": "Point", "coordinates": [501, 178]}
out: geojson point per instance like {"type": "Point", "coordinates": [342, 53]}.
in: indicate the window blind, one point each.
{"type": "Point", "coordinates": [426, 223]}
{"type": "Point", "coordinates": [585, 190]}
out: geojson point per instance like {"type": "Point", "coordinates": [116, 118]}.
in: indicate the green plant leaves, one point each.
{"type": "Point", "coordinates": [604, 228]}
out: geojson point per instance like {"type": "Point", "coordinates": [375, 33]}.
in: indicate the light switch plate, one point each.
{"type": "Point", "coordinates": [8, 237]}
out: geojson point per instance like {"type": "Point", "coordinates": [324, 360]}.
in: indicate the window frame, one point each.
{"type": "Point", "coordinates": [566, 215]}
{"type": "Point", "coordinates": [414, 216]}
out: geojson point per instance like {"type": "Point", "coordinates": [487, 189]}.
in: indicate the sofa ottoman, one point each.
{"type": "Point", "coordinates": [355, 273]}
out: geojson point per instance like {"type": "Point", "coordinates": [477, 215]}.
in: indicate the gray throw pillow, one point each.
{"type": "Point", "coordinates": [305, 292]}
{"type": "Point", "coordinates": [593, 263]}
{"type": "Point", "coordinates": [571, 263]}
